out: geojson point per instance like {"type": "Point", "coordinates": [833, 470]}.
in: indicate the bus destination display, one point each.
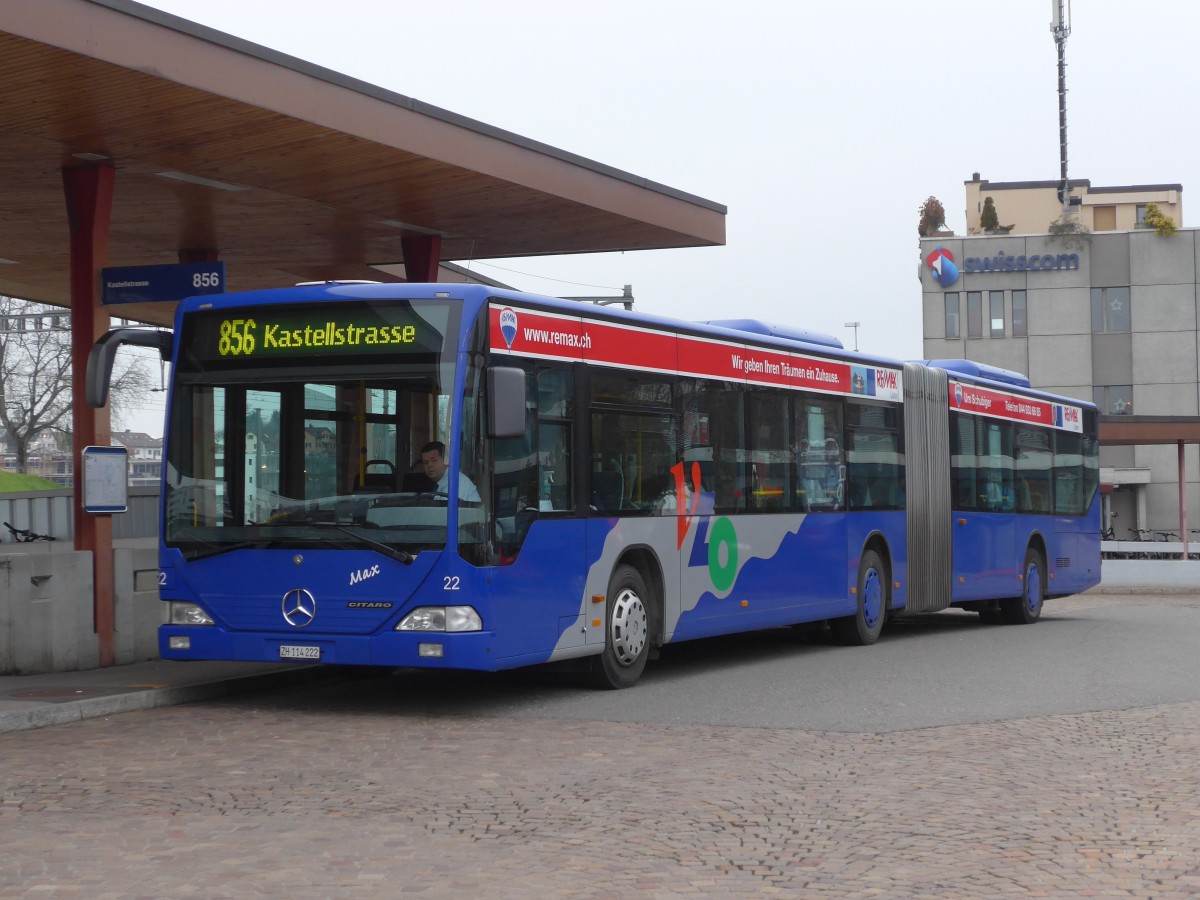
{"type": "Point", "coordinates": [247, 335]}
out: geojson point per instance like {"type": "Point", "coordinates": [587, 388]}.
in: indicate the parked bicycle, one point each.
{"type": "Point", "coordinates": [1139, 535]}
{"type": "Point", "coordinates": [25, 536]}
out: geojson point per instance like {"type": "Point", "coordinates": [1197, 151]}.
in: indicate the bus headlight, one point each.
{"type": "Point", "coordinates": [188, 614]}
{"type": "Point", "coordinates": [441, 618]}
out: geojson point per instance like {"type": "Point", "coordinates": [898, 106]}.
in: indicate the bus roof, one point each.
{"type": "Point", "coordinates": [755, 330]}
{"type": "Point", "coordinates": [771, 329]}
{"type": "Point", "coordinates": [748, 330]}
{"type": "Point", "coordinates": [979, 370]}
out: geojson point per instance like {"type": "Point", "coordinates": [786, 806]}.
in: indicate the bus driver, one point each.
{"type": "Point", "coordinates": [433, 461]}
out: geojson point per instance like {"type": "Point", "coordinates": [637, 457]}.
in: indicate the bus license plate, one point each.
{"type": "Point", "coordinates": [291, 652]}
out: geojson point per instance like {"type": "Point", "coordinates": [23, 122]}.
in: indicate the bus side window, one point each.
{"type": "Point", "coordinates": [1070, 495]}
{"type": "Point", "coordinates": [1034, 467]}
{"type": "Point", "coordinates": [1024, 497]}
{"type": "Point", "coordinates": [533, 472]}
{"type": "Point", "coordinates": [713, 436]}
{"type": "Point", "coordinates": [821, 472]}
{"type": "Point", "coordinates": [608, 486]}
{"type": "Point", "coordinates": [963, 461]}
{"type": "Point", "coordinates": [995, 460]}
{"type": "Point", "coordinates": [875, 460]}
{"type": "Point", "coordinates": [515, 481]}
{"type": "Point", "coordinates": [860, 489]}
{"type": "Point", "coordinates": [771, 469]}
{"type": "Point", "coordinates": [555, 410]}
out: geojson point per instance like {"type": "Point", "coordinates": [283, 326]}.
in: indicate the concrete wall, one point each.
{"type": "Point", "coordinates": [1109, 259]}
{"type": "Point", "coordinates": [1162, 260]}
{"type": "Point", "coordinates": [139, 610]}
{"type": "Point", "coordinates": [1158, 576]}
{"type": "Point", "coordinates": [46, 618]}
{"type": "Point", "coordinates": [1065, 310]}
{"type": "Point", "coordinates": [1027, 209]}
{"type": "Point", "coordinates": [1064, 359]}
{"type": "Point", "coordinates": [1032, 207]}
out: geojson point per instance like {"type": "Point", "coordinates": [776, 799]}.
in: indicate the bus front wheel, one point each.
{"type": "Point", "coordinates": [865, 626]}
{"type": "Point", "coordinates": [626, 631]}
{"type": "Point", "coordinates": [1027, 609]}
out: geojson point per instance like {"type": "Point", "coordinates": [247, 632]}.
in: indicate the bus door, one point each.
{"type": "Point", "coordinates": [535, 497]}
{"type": "Point", "coordinates": [632, 436]}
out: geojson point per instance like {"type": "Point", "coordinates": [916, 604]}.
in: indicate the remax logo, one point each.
{"type": "Point", "coordinates": [508, 325]}
{"type": "Point", "coordinates": [942, 267]}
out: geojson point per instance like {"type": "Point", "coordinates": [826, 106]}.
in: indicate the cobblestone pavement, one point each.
{"type": "Point", "coordinates": [249, 798]}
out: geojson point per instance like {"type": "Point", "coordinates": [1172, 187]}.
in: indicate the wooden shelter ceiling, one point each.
{"type": "Point", "coordinates": [1130, 431]}
{"type": "Point", "coordinates": [330, 173]}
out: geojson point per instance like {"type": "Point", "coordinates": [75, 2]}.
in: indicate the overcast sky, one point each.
{"type": "Point", "coordinates": [822, 126]}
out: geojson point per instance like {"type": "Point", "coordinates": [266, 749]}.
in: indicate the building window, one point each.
{"type": "Point", "coordinates": [1140, 216]}
{"type": "Point", "coordinates": [974, 314]}
{"type": "Point", "coordinates": [952, 315]}
{"type": "Point", "coordinates": [1110, 310]}
{"type": "Point", "coordinates": [996, 313]}
{"type": "Point", "coordinates": [1114, 399]}
{"type": "Point", "coordinates": [1020, 324]}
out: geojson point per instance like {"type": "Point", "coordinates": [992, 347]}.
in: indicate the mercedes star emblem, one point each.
{"type": "Point", "coordinates": [299, 608]}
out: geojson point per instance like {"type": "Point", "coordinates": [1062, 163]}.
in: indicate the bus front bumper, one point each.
{"type": "Point", "coordinates": [433, 650]}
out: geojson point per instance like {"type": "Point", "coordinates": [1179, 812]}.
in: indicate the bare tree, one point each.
{"type": "Point", "coordinates": [35, 375]}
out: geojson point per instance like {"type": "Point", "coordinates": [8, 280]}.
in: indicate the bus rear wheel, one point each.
{"type": "Point", "coordinates": [626, 631]}
{"type": "Point", "coordinates": [865, 626]}
{"type": "Point", "coordinates": [1027, 609]}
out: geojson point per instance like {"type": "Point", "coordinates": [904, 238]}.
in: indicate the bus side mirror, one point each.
{"type": "Point", "coordinates": [506, 401]}
{"type": "Point", "coordinates": [104, 351]}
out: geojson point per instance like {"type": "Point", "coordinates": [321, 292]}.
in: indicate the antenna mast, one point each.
{"type": "Point", "coordinates": [1060, 26]}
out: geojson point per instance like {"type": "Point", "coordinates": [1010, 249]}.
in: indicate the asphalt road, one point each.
{"type": "Point", "coordinates": [948, 668]}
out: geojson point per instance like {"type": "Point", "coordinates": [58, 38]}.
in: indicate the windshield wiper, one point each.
{"type": "Point", "coordinates": [214, 549]}
{"type": "Point", "coordinates": [386, 549]}
{"type": "Point", "coordinates": [262, 543]}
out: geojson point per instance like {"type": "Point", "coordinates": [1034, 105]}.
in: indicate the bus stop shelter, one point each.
{"type": "Point", "coordinates": [1125, 431]}
{"type": "Point", "coordinates": [131, 137]}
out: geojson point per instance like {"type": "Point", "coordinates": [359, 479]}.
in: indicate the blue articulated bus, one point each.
{"type": "Point", "coordinates": [454, 476]}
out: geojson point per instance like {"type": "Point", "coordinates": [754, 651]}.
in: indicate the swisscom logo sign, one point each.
{"type": "Point", "coordinates": [942, 267]}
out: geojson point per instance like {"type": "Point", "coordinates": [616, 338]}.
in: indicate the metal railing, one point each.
{"type": "Point", "coordinates": [49, 512]}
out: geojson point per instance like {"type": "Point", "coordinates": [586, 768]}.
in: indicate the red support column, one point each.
{"type": "Point", "coordinates": [89, 193]}
{"type": "Point", "coordinates": [1183, 529]}
{"type": "Point", "coordinates": [422, 255]}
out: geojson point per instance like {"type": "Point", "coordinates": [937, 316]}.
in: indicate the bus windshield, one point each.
{"type": "Point", "coordinates": [304, 426]}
